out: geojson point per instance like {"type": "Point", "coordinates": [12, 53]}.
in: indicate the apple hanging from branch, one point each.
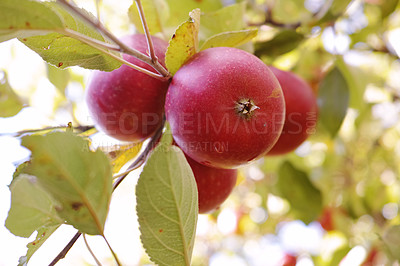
{"type": "Point", "coordinates": [125, 103]}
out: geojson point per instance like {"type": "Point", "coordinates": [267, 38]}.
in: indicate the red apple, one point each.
{"type": "Point", "coordinates": [289, 260]}
{"type": "Point", "coordinates": [301, 112]}
{"type": "Point", "coordinates": [225, 107]}
{"type": "Point", "coordinates": [125, 103]}
{"type": "Point", "coordinates": [213, 185]}
{"type": "Point", "coordinates": [326, 219]}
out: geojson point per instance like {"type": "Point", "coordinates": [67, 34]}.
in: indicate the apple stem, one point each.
{"type": "Point", "coordinates": [121, 47]}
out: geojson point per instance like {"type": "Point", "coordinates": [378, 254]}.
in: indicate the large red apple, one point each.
{"type": "Point", "coordinates": [225, 107]}
{"type": "Point", "coordinates": [213, 185]}
{"type": "Point", "coordinates": [301, 112]}
{"type": "Point", "coordinates": [125, 103]}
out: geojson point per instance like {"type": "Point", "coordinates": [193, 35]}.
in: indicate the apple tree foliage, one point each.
{"type": "Point", "coordinates": [344, 176]}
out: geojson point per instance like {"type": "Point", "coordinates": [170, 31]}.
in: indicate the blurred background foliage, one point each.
{"type": "Point", "coordinates": [335, 200]}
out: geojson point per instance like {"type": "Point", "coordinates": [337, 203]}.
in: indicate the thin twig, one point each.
{"type": "Point", "coordinates": [90, 250]}
{"type": "Point", "coordinates": [20, 133]}
{"type": "Point", "coordinates": [65, 250]}
{"type": "Point", "coordinates": [112, 251]}
{"type": "Point", "coordinates": [146, 31]}
{"type": "Point", "coordinates": [269, 20]}
{"type": "Point", "coordinates": [99, 45]}
{"type": "Point", "coordinates": [137, 163]}
{"type": "Point", "coordinates": [122, 47]}
{"type": "Point", "coordinates": [142, 157]}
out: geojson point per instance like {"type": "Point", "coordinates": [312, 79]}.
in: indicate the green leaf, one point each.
{"type": "Point", "coordinates": [10, 103]}
{"type": "Point", "coordinates": [304, 198]}
{"type": "Point", "coordinates": [183, 43]}
{"type": "Point", "coordinates": [79, 179]}
{"type": "Point", "coordinates": [58, 77]}
{"type": "Point", "coordinates": [166, 137]}
{"type": "Point", "coordinates": [226, 19]}
{"type": "Point", "coordinates": [357, 80]}
{"type": "Point", "coordinates": [337, 9]}
{"type": "Point", "coordinates": [230, 39]}
{"type": "Point", "coordinates": [289, 11]}
{"type": "Point", "coordinates": [179, 9]}
{"type": "Point", "coordinates": [338, 255]}
{"type": "Point", "coordinates": [121, 154]}
{"type": "Point", "coordinates": [333, 101]}
{"type": "Point", "coordinates": [167, 207]}
{"type": "Point", "coordinates": [284, 42]}
{"type": "Point", "coordinates": [156, 13]}
{"type": "Point", "coordinates": [42, 235]}
{"type": "Point", "coordinates": [388, 7]}
{"type": "Point", "coordinates": [31, 207]}
{"type": "Point", "coordinates": [391, 237]}
{"type": "Point", "coordinates": [64, 48]}
{"type": "Point", "coordinates": [26, 18]}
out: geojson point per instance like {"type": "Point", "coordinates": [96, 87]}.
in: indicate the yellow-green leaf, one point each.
{"type": "Point", "coordinates": [24, 18]}
{"type": "Point", "coordinates": [58, 77]}
{"type": "Point", "coordinates": [156, 13]}
{"type": "Point", "coordinates": [167, 207]}
{"type": "Point", "coordinates": [295, 186]}
{"type": "Point", "coordinates": [179, 9]}
{"type": "Point", "coordinates": [226, 19]}
{"type": "Point", "coordinates": [230, 39]}
{"type": "Point", "coordinates": [333, 101]}
{"type": "Point", "coordinates": [79, 179]}
{"type": "Point", "coordinates": [31, 206]}
{"type": "Point", "coordinates": [43, 234]}
{"type": "Point", "coordinates": [63, 48]}
{"type": "Point", "coordinates": [10, 103]}
{"type": "Point", "coordinates": [183, 43]}
{"type": "Point", "coordinates": [122, 154]}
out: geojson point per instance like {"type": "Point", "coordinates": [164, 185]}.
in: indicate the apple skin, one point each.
{"type": "Point", "coordinates": [213, 185]}
{"type": "Point", "coordinates": [203, 106]}
{"type": "Point", "coordinates": [289, 260]}
{"type": "Point", "coordinates": [127, 104]}
{"type": "Point", "coordinates": [301, 112]}
{"type": "Point", "coordinates": [326, 219]}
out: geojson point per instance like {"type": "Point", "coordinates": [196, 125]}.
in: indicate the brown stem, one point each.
{"type": "Point", "coordinates": [20, 133]}
{"type": "Point", "coordinates": [65, 250]}
{"type": "Point", "coordinates": [142, 157]}
{"type": "Point", "coordinates": [112, 251]}
{"type": "Point", "coordinates": [122, 47]}
{"type": "Point", "coordinates": [90, 250]}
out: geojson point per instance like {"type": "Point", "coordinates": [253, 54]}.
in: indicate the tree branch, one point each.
{"type": "Point", "coordinates": [100, 45]}
{"type": "Point", "coordinates": [65, 250]}
{"type": "Point", "coordinates": [121, 46]}
{"type": "Point", "coordinates": [20, 133]}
